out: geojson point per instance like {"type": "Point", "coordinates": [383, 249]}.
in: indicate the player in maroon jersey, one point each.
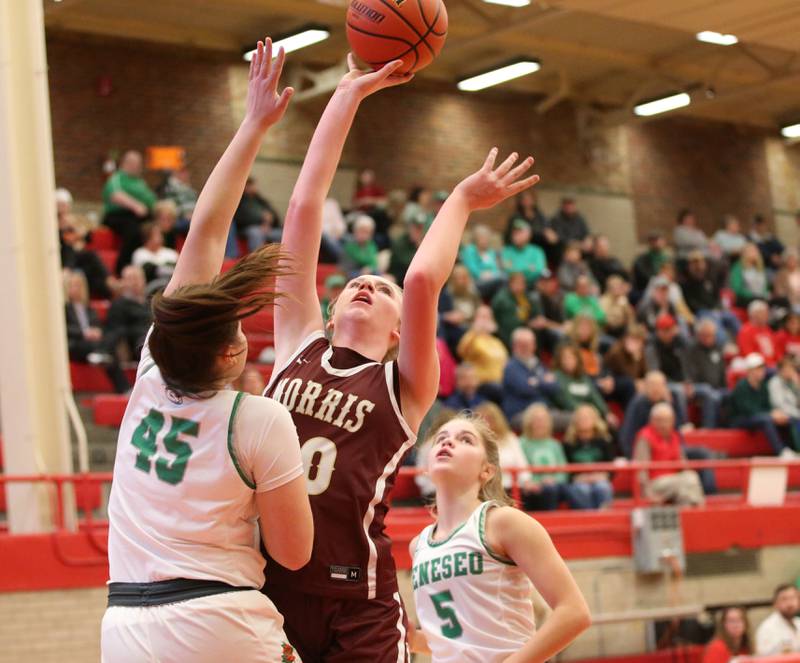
{"type": "Point", "coordinates": [357, 411]}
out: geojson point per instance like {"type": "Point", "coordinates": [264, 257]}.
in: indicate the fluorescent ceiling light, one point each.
{"type": "Point", "coordinates": [509, 3]}
{"type": "Point", "coordinates": [711, 37]}
{"type": "Point", "coordinates": [663, 105]}
{"type": "Point", "coordinates": [296, 41]}
{"type": "Point", "coordinates": [792, 131]}
{"type": "Point", "coordinates": [497, 76]}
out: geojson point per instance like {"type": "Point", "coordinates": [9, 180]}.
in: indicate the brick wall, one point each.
{"type": "Point", "coordinates": [160, 96]}
{"type": "Point", "coordinates": [427, 133]}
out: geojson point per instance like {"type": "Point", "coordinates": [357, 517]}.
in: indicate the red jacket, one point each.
{"type": "Point", "coordinates": [787, 343]}
{"type": "Point", "coordinates": [717, 652]}
{"type": "Point", "coordinates": [758, 339]}
{"type": "Point", "coordinates": [661, 449]}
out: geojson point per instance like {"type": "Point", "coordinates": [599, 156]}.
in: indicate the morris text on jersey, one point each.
{"type": "Point", "coordinates": [346, 411]}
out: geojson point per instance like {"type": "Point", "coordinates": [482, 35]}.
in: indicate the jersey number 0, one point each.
{"type": "Point", "coordinates": [319, 458]}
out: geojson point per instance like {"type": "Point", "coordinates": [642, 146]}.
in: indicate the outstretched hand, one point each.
{"type": "Point", "coordinates": [490, 186]}
{"type": "Point", "coordinates": [365, 83]}
{"type": "Point", "coordinates": [265, 106]}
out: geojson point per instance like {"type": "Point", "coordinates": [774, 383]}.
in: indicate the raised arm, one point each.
{"type": "Point", "coordinates": [430, 269]}
{"type": "Point", "coordinates": [299, 314]}
{"type": "Point", "coordinates": [204, 251]}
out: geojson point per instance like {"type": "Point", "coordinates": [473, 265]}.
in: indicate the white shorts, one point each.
{"type": "Point", "coordinates": [237, 625]}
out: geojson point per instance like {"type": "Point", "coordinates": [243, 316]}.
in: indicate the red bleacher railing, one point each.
{"type": "Point", "coordinates": [87, 486]}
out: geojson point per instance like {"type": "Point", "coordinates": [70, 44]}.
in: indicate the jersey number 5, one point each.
{"type": "Point", "coordinates": [144, 439]}
{"type": "Point", "coordinates": [442, 604]}
{"type": "Point", "coordinates": [319, 457]}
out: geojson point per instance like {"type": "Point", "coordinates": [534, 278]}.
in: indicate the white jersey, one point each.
{"type": "Point", "coordinates": [185, 478]}
{"type": "Point", "coordinates": [473, 605]}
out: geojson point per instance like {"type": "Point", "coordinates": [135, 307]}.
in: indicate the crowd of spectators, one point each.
{"type": "Point", "coordinates": [541, 325]}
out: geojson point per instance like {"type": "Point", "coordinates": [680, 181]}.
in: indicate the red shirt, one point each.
{"type": "Point", "coordinates": [758, 339]}
{"type": "Point", "coordinates": [661, 449]}
{"type": "Point", "coordinates": [787, 343]}
{"type": "Point", "coordinates": [717, 652]}
{"type": "Point", "coordinates": [371, 191]}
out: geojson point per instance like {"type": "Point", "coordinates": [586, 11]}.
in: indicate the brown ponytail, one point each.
{"type": "Point", "coordinates": [194, 324]}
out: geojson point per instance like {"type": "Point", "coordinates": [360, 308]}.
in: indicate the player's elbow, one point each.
{"type": "Point", "coordinates": [294, 556]}
{"type": "Point", "coordinates": [422, 283]}
{"type": "Point", "coordinates": [581, 618]}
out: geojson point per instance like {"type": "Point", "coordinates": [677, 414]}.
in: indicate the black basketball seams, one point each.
{"type": "Point", "coordinates": [432, 25]}
{"type": "Point", "coordinates": [409, 24]}
{"type": "Point", "coordinates": [380, 36]}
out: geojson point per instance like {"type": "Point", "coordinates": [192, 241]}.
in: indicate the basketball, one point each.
{"type": "Point", "coordinates": [413, 31]}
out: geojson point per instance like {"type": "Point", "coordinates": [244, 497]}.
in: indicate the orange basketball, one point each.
{"type": "Point", "coordinates": [413, 31]}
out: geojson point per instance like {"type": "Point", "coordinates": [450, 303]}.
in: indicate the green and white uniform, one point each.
{"type": "Point", "coordinates": [473, 605]}
{"type": "Point", "coordinates": [182, 506]}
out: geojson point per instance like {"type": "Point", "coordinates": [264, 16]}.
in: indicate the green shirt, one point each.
{"type": "Point", "coordinates": [746, 401]}
{"type": "Point", "coordinates": [573, 392]}
{"type": "Point", "coordinates": [545, 453]}
{"type": "Point", "coordinates": [530, 260]}
{"type": "Point", "coordinates": [575, 304]}
{"type": "Point", "coordinates": [362, 255]}
{"type": "Point", "coordinates": [135, 187]}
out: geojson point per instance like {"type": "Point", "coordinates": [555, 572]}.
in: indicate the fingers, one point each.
{"type": "Point", "coordinates": [517, 172]}
{"type": "Point", "coordinates": [266, 62]}
{"type": "Point", "coordinates": [397, 80]}
{"type": "Point", "coordinates": [277, 69]}
{"type": "Point", "coordinates": [255, 63]}
{"type": "Point", "coordinates": [285, 98]}
{"type": "Point", "coordinates": [504, 167]}
{"type": "Point", "coordinates": [488, 165]}
{"type": "Point", "coordinates": [528, 182]}
{"type": "Point", "coordinates": [386, 70]}
{"type": "Point", "coordinates": [351, 62]}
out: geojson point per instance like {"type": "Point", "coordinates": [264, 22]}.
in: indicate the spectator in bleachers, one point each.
{"type": "Point", "coordinates": [127, 202]}
{"type": "Point", "coordinates": [129, 315]}
{"type": "Point", "coordinates": [572, 267]}
{"type": "Point", "coordinates": [574, 387]}
{"type": "Point", "coordinates": [637, 414]}
{"type": "Point", "coordinates": [583, 301]}
{"type": "Point", "coordinates": [250, 382]}
{"type": "Point", "coordinates": [157, 261]}
{"type": "Point", "coordinates": [664, 352]}
{"type": "Point", "coordinates": [748, 278]}
{"type": "Point", "coordinates": [361, 252]}
{"type": "Point", "coordinates": [419, 206]}
{"type": "Point", "coordinates": [458, 302]}
{"type": "Point", "coordinates": [616, 306]}
{"type": "Point", "coordinates": [528, 210]}
{"type": "Point", "coordinates": [481, 348]}
{"type": "Point", "coordinates": [587, 441]}
{"type": "Point", "coordinates": [86, 341]}
{"type": "Point", "coordinates": [668, 274]}
{"type": "Point", "coordinates": [334, 284]}
{"type": "Point", "coordinates": [788, 337]}
{"type": "Point", "coordinates": [702, 288]}
{"type": "Point", "coordinates": [732, 637]}
{"type": "Point", "coordinates": [545, 490]}
{"type": "Point", "coordinates": [525, 379]}
{"type": "Point", "coordinates": [404, 247]}
{"type": "Point", "coordinates": [756, 335]}
{"type": "Point", "coordinates": [786, 285]}
{"type": "Point", "coordinates": [752, 408]}
{"type": "Point", "coordinates": [522, 256]}
{"type": "Point", "coordinates": [371, 199]}
{"type": "Point", "coordinates": [784, 395]}
{"type": "Point", "coordinates": [179, 190]}
{"type": "Point", "coordinates": [660, 441]}
{"type": "Point", "coordinates": [511, 455]}
{"type": "Point", "coordinates": [779, 633]}
{"type": "Point", "coordinates": [704, 365]}
{"type": "Point", "coordinates": [625, 360]}
{"type": "Point", "coordinates": [514, 306]}
{"type": "Point", "coordinates": [569, 224]}
{"type": "Point", "coordinates": [656, 303]}
{"type": "Point", "coordinates": [255, 219]}
{"type": "Point", "coordinates": [584, 334]}
{"type": "Point", "coordinates": [603, 264]}
{"type": "Point", "coordinates": [730, 238]}
{"type": "Point", "coordinates": [466, 395]}
{"type": "Point", "coordinates": [550, 328]}
{"type": "Point", "coordinates": [649, 263]}
{"type": "Point", "coordinates": [75, 256]}
{"type": "Point", "coordinates": [63, 205]}
{"type": "Point", "coordinates": [165, 217]}
{"type": "Point", "coordinates": [334, 228]}
{"type": "Point", "coordinates": [688, 237]}
{"type": "Point", "coordinates": [768, 245]}
{"type": "Point", "coordinates": [483, 262]}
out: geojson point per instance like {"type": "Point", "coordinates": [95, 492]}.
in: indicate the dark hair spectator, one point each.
{"type": "Point", "coordinates": [602, 263]}
{"type": "Point", "coordinates": [732, 637]}
{"type": "Point", "coordinates": [779, 633]}
{"type": "Point", "coordinates": [649, 263]}
{"type": "Point", "coordinates": [255, 221]}
{"type": "Point", "coordinates": [76, 256]}
{"type": "Point", "coordinates": [514, 306]}
{"type": "Point", "coordinates": [687, 236]}
{"type": "Point", "coordinates": [129, 316]}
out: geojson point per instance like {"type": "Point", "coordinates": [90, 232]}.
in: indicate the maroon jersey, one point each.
{"type": "Point", "coordinates": [352, 438]}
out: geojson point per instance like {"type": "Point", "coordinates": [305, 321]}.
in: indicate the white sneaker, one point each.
{"type": "Point", "coordinates": [788, 453]}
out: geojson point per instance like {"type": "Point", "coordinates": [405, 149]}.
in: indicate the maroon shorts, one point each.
{"type": "Point", "coordinates": [328, 630]}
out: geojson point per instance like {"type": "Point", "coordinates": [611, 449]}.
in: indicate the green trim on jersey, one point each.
{"type": "Point", "coordinates": [149, 366]}
{"type": "Point", "coordinates": [433, 543]}
{"type": "Point", "coordinates": [482, 534]}
{"type": "Point", "coordinates": [231, 452]}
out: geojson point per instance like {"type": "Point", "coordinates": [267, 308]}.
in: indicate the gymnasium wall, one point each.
{"type": "Point", "coordinates": [637, 175]}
